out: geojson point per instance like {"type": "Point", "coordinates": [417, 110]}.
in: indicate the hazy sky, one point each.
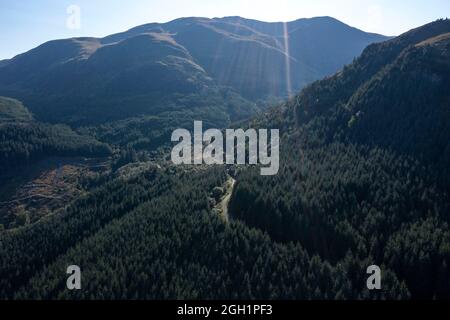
{"type": "Point", "coordinates": [24, 24]}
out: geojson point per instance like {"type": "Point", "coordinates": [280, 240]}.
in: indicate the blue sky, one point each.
{"type": "Point", "coordinates": [25, 24]}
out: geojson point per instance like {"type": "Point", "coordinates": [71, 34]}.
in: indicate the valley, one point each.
{"type": "Point", "coordinates": [87, 177]}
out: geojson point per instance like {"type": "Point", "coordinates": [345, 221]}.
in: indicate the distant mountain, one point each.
{"type": "Point", "coordinates": [150, 69]}
{"type": "Point", "coordinates": [251, 55]}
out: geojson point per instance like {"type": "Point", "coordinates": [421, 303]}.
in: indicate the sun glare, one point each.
{"type": "Point", "coordinates": [287, 59]}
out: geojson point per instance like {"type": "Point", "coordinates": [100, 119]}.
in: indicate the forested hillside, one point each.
{"type": "Point", "coordinates": [41, 164]}
{"type": "Point", "coordinates": [365, 170]}
{"type": "Point", "coordinates": [154, 236]}
{"type": "Point", "coordinates": [24, 143]}
{"type": "Point", "coordinates": [363, 180]}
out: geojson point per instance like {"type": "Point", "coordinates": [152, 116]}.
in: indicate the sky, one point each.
{"type": "Point", "coordinates": [26, 24]}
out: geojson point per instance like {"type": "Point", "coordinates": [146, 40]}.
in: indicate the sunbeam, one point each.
{"type": "Point", "coordinates": [287, 59]}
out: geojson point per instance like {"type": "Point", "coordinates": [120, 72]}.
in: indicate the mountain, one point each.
{"type": "Point", "coordinates": [157, 68]}
{"type": "Point", "coordinates": [357, 186]}
{"type": "Point", "coordinates": [364, 176]}
{"type": "Point", "coordinates": [363, 180]}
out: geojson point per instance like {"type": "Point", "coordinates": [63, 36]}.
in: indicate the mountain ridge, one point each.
{"type": "Point", "coordinates": [74, 77]}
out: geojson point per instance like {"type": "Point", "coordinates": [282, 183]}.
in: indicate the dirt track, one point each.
{"type": "Point", "coordinates": [223, 205]}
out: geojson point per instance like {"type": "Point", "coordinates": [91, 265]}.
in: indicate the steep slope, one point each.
{"type": "Point", "coordinates": [364, 164]}
{"type": "Point", "coordinates": [321, 95]}
{"type": "Point", "coordinates": [406, 106]}
{"type": "Point", "coordinates": [394, 95]}
{"type": "Point", "coordinates": [147, 69]}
